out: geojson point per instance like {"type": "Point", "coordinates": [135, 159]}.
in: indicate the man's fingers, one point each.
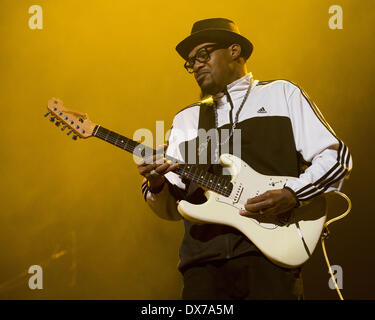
{"type": "Point", "coordinates": [159, 156]}
{"type": "Point", "coordinates": [267, 211]}
{"type": "Point", "coordinates": [263, 207]}
{"type": "Point", "coordinates": [147, 168]}
{"type": "Point", "coordinates": [255, 207]}
{"type": "Point", "coordinates": [162, 168]}
{"type": "Point", "coordinates": [269, 203]}
{"type": "Point", "coordinates": [257, 199]}
{"type": "Point", "coordinates": [172, 167]}
{"type": "Point", "coordinates": [156, 158]}
{"type": "Point", "coordinates": [166, 167]}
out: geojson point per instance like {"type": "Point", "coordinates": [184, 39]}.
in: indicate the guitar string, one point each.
{"type": "Point", "coordinates": [222, 185]}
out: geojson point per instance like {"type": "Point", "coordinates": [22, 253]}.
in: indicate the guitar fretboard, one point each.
{"type": "Point", "coordinates": [218, 183]}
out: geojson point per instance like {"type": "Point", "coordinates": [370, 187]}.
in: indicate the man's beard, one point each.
{"type": "Point", "coordinates": [208, 91]}
{"type": "Point", "coordinates": [204, 94]}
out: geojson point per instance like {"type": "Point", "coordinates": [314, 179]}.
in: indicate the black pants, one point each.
{"type": "Point", "coordinates": [248, 277]}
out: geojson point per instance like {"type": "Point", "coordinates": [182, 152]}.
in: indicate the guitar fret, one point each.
{"type": "Point", "coordinates": [125, 146]}
{"type": "Point", "coordinates": [213, 181]}
{"type": "Point", "coordinates": [193, 170]}
{"type": "Point", "coordinates": [102, 133]}
{"type": "Point", "coordinates": [110, 137]}
{"type": "Point", "coordinates": [114, 137]}
{"type": "Point", "coordinates": [201, 176]}
{"type": "Point", "coordinates": [197, 175]}
{"type": "Point", "coordinates": [210, 182]}
{"type": "Point", "coordinates": [120, 143]}
{"type": "Point", "coordinates": [107, 135]}
{"type": "Point", "coordinates": [130, 146]}
{"type": "Point", "coordinates": [220, 181]}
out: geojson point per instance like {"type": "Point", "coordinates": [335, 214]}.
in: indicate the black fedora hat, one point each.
{"type": "Point", "coordinates": [214, 30]}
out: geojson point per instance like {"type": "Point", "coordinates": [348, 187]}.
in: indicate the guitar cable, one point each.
{"type": "Point", "coordinates": [326, 233]}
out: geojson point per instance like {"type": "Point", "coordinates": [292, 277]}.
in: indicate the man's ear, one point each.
{"type": "Point", "coordinates": [235, 51]}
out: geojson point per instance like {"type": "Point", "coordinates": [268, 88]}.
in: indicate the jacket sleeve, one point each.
{"type": "Point", "coordinates": [164, 203]}
{"type": "Point", "coordinates": [329, 158]}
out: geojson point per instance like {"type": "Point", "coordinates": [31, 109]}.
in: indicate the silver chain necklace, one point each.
{"type": "Point", "coordinates": [237, 113]}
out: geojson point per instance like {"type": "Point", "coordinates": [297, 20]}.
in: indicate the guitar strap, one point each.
{"type": "Point", "coordinates": [206, 122]}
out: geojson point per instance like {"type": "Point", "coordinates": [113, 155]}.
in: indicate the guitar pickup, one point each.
{"type": "Point", "coordinates": [238, 193]}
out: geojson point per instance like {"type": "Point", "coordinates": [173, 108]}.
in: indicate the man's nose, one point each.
{"type": "Point", "coordinates": [197, 66]}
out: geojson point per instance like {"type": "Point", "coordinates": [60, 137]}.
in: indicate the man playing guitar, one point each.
{"type": "Point", "coordinates": [282, 134]}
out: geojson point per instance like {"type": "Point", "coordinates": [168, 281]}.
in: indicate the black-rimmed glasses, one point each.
{"type": "Point", "coordinates": [202, 55]}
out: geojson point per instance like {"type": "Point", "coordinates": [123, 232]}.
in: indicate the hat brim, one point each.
{"type": "Point", "coordinates": [216, 35]}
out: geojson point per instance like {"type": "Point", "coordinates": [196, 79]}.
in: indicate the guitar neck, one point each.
{"type": "Point", "coordinates": [218, 183]}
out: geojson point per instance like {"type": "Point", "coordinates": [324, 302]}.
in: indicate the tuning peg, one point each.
{"type": "Point", "coordinates": [47, 114]}
{"type": "Point", "coordinates": [75, 137]}
{"type": "Point", "coordinates": [63, 127]}
{"type": "Point", "coordinates": [69, 132]}
{"type": "Point", "coordinates": [57, 123]}
{"type": "Point", "coordinates": [52, 119]}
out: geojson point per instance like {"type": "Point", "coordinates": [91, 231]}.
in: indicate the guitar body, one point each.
{"type": "Point", "coordinates": [288, 239]}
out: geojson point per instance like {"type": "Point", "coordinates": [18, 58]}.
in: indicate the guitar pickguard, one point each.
{"type": "Point", "coordinates": [248, 183]}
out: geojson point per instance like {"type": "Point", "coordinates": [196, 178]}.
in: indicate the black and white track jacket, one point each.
{"type": "Point", "coordinates": [282, 133]}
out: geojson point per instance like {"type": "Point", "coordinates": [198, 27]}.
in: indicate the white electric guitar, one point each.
{"type": "Point", "coordinates": [287, 239]}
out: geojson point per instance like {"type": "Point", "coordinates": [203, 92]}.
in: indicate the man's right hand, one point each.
{"type": "Point", "coordinates": [154, 169]}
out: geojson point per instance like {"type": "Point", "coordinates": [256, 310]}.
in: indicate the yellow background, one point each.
{"type": "Point", "coordinates": [116, 61]}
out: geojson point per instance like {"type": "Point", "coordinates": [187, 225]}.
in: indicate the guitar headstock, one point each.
{"type": "Point", "coordinates": [77, 122]}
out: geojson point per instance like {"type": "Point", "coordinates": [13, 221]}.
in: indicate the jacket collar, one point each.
{"type": "Point", "coordinates": [237, 89]}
